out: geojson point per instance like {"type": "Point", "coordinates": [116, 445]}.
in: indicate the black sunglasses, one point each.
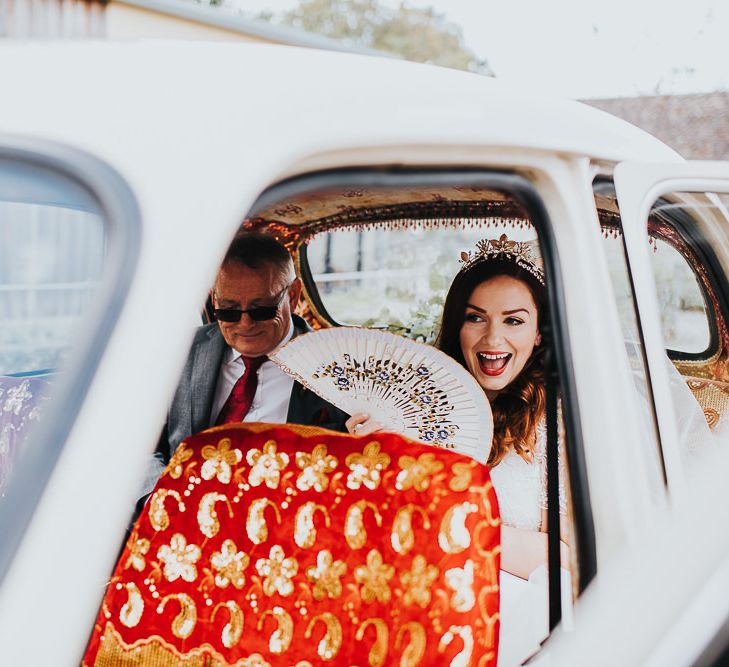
{"type": "Point", "coordinates": [257, 314]}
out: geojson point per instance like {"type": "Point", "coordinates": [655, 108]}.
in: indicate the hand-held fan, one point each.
{"type": "Point", "coordinates": [411, 388]}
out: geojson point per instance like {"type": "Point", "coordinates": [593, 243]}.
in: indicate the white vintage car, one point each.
{"type": "Point", "coordinates": [125, 171]}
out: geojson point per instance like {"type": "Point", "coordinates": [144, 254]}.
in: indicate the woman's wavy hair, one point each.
{"type": "Point", "coordinates": [519, 406]}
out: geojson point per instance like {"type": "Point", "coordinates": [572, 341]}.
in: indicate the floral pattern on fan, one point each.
{"type": "Point", "coordinates": [414, 385]}
{"type": "Point", "coordinates": [411, 388]}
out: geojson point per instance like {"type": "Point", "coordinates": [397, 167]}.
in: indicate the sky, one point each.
{"type": "Point", "coordinates": [589, 48]}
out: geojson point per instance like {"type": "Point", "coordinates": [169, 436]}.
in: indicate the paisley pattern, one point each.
{"type": "Point", "coordinates": [290, 545]}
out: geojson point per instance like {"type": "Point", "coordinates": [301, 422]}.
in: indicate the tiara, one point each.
{"type": "Point", "coordinates": [524, 254]}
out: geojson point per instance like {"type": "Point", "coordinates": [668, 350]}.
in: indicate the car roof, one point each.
{"type": "Point", "coordinates": [212, 98]}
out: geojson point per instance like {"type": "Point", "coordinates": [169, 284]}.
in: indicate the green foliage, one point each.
{"type": "Point", "coordinates": [414, 33]}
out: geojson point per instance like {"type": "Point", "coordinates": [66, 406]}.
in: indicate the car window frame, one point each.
{"type": "Point", "coordinates": [639, 185]}
{"type": "Point", "coordinates": [604, 185]}
{"type": "Point", "coordinates": [121, 217]}
{"type": "Point", "coordinates": [527, 195]}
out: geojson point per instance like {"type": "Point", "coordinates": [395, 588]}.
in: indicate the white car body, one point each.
{"type": "Point", "coordinates": [197, 132]}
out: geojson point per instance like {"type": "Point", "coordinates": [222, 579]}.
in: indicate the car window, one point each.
{"type": "Point", "coordinates": [684, 229]}
{"type": "Point", "coordinates": [693, 304]}
{"type": "Point", "coordinates": [385, 258]}
{"type": "Point", "coordinates": [51, 259]}
{"type": "Point", "coordinates": [686, 319]}
{"type": "Point", "coordinates": [58, 302]}
{"type": "Point", "coordinates": [50, 264]}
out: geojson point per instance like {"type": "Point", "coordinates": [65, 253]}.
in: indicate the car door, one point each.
{"type": "Point", "coordinates": [69, 242]}
{"type": "Point", "coordinates": [690, 196]}
{"type": "Point", "coordinates": [669, 579]}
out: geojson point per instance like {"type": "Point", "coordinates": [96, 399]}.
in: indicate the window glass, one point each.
{"type": "Point", "coordinates": [684, 315]}
{"type": "Point", "coordinates": [50, 263]}
{"type": "Point", "coordinates": [51, 259]}
{"type": "Point", "coordinates": [394, 278]}
{"type": "Point", "coordinates": [692, 286]}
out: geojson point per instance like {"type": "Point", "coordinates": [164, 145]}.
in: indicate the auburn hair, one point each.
{"type": "Point", "coordinates": [520, 406]}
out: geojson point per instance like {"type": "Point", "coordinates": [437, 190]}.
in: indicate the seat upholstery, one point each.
{"type": "Point", "coordinates": [713, 397]}
{"type": "Point", "coordinates": [289, 545]}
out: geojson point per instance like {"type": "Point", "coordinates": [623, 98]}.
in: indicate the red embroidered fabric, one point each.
{"type": "Point", "coordinates": [285, 545]}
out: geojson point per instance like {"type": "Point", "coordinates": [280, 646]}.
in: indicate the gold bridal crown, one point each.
{"type": "Point", "coordinates": [523, 253]}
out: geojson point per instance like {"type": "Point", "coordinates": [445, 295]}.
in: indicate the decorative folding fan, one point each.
{"type": "Point", "coordinates": [411, 388]}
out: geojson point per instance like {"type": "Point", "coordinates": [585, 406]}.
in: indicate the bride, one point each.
{"type": "Point", "coordinates": [490, 325]}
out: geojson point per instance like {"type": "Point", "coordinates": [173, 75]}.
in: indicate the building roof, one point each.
{"type": "Point", "coordinates": [220, 18]}
{"type": "Point", "coordinates": [697, 126]}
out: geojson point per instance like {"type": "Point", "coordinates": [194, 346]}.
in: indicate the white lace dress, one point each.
{"type": "Point", "coordinates": [521, 489]}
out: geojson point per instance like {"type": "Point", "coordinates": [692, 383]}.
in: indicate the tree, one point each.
{"type": "Point", "coordinates": [415, 33]}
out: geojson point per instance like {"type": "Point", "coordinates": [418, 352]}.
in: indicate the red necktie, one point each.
{"type": "Point", "coordinates": [241, 396]}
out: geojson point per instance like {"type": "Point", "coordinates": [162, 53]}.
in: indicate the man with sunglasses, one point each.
{"type": "Point", "coordinates": [228, 376]}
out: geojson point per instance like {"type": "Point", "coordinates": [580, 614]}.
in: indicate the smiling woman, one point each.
{"type": "Point", "coordinates": [491, 325]}
{"type": "Point", "coordinates": [499, 332]}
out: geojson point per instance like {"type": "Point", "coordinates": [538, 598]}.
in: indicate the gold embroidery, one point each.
{"type": "Point", "coordinates": [132, 609]}
{"type": "Point", "coordinates": [326, 575]}
{"type": "Point", "coordinates": [179, 558]}
{"type": "Point", "coordinates": [255, 660]}
{"type": "Point", "coordinates": [158, 516]}
{"type": "Point", "coordinates": [137, 552]}
{"type": "Point", "coordinates": [378, 652]}
{"type": "Point", "coordinates": [218, 461]}
{"type": "Point", "coordinates": [266, 465]}
{"type": "Point", "coordinates": [234, 627]}
{"type": "Point", "coordinates": [461, 479]}
{"type": "Point", "coordinates": [354, 530]}
{"type": "Point", "coordinates": [184, 622]}
{"type": "Point", "coordinates": [331, 642]}
{"type": "Point", "coordinates": [374, 577]}
{"type": "Point", "coordinates": [712, 417]}
{"type": "Point", "coordinates": [418, 580]}
{"type": "Point", "coordinates": [207, 517]}
{"type": "Point", "coordinates": [114, 652]}
{"type": "Point", "coordinates": [366, 468]}
{"type": "Point", "coordinates": [304, 528]}
{"type": "Point", "coordinates": [174, 467]}
{"type": "Point", "coordinates": [462, 659]}
{"type": "Point", "coordinates": [491, 570]}
{"type": "Point", "coordinates": [415, 649]}
{"type": "Point", "coordinates": [229, 564]}
{"type": "Point", "coordinates": [460, 579]}
{"type": "Point", "coordinates": [416, 473]}
{"type": "Point", "coordinates": [454, 537]}
{"type": "Point", "coordinates": [315, 468]}
{"type": "Point", "coordinates": [402, 536]}
{"type": "Point", "coordinates": [277, 571]}
{"type": "Point", "coordinates": [280, 639]}
{"type": "Point", "coordinates": [256, 527]}
{"type": "Point", "coordinates": [488, 637]}
{"type": "Point", "coordinates": [486, 502]}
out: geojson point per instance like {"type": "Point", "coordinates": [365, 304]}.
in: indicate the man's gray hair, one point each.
{"type": "Point", "coordinates": [254, 250]}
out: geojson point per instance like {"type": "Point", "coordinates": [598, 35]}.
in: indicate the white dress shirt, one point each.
{"type": "Point", "coordinates": [273, 392]}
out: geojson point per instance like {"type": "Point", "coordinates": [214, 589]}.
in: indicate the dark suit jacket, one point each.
{"type": "Point", "coordinates": [193, 400]}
